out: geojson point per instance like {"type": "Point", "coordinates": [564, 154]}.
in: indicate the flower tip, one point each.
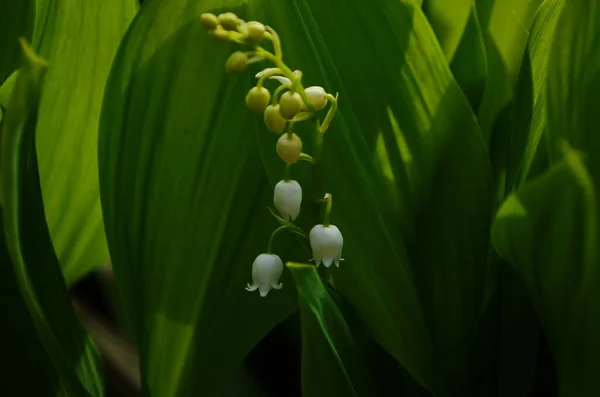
{"type": "Point", "coordinates": [255, 31]}
{"type": "Point", "coordinates": [290, 104]}
{"type": "Point", "coordinates": [273, 119]}
{"type": "Point", "coordinates": [289, 148]}
{"type": "Point", "coordinates": [209, 21]}
{"type": "Point", "coordinates": [257, 99]}
{"type": "Point", "coordinates": [229, 20]}
{"type": "Point", "coordinates": [237, 62]}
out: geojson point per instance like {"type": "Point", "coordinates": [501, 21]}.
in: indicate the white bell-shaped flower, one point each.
{"type": "Point", "coordinates": [317, 97]}
{"type": "Point", "coordinates": [287, 198]}
{"type": "Point", "coordinates": [266, 271]}
{"type": "Point", "coordinates": [326, 243]}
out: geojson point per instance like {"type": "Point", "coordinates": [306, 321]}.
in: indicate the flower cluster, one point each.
{"type": "Point", "coordinates": [289, 104]}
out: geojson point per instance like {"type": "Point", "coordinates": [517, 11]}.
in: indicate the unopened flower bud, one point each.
{"type": "Point", "coordinates": [266, 271]}
{"type": "Point", "coordinates": [317, 97]}
{"type": "Point", "coordinates": [273, 119]}
{"type": "Point", "coordinates": [257, 99]}
{"type": "Point", "coordinates": [255, 32]}
{"type": "Point", "coordinates": [229, 21]}
{"type": "Point", "coordinates": [289, 147]}
{"type": "Point", "coordinates": [287, 198]}
{"type": "Point", "coordinates": [219, 34]}
{"type": "Point", "coordinates": [326, 243]}
{"type": "Point", "coordinates": [237, 62]}
{"type": "Point", "coordinates": [290, 104]}
{"type": "Point", "coordinates": [209, 21]}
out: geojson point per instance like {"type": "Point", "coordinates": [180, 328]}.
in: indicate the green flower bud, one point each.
{"type": "Point", "coordinates": [258, 99]}
{"type": "Point", "coordinates": [273, 120]}
{"type": "Point", "coordinates": [209, 21]}
{"type": "Point", "coordinates": [289, 147]}
{"type": "Point", "coordinates": [219, 34]}
{"type": "Point", "coordinates": [290, 103]}
{"type": "Point", "coordinates": [255, 32]}
{"type": "Point", "coordinates": [229, 20]}
{"type": "Point", "coordinates": [237, 62]}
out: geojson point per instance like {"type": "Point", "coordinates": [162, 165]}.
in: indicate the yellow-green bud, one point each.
{"type": "Point", "coordinates": [255, 32]}
{"type": "Point", "coordinates": [258, 99]}
{"type": "Point", "coordinates": [273, 120]}
{"type": "Point", "coordinates": [209, 21]}
{"type": "Point", "coordinates": [229, 20]}
{"type": "Point", "coordinates": [237, 62]}
{"type": "Point", "coordinates": [317, 97]}
{"type": "Point", "coordinates": [219, 33]}
{"type": "Point", "coordinates": [289, 147]}
{"type": "Point", "coordinates": [290, 104]}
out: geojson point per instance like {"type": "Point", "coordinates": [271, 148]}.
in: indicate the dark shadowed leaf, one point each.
{"type": "Point", "coordinates": [548, 232]}
{"type": "Point", "coordinates": [69, 361]}
{"type": "Point", "coordinates": [331, 360]}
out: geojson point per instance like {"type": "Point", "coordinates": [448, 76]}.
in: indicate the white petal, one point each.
{"type": "Point", "coordinates": [287, 197]}
{"type": "Point", "coordinates": [277, 286]}
{"type": "Point", "coordinates": [264, 290]}
{"type": "Point", "coordinates": [266, 71]}
{"type": "Point", "coordinates": [281, 79]}
{"type": "Point", "coordinates": [317, 97]}
{"type": "Point", "coordinates": [328, 261]}
{"type": "Point", "coordinates": [251, 288]}
{"type": "Point", "coordinates": [326, 242]}
{"type": "Point", "coordinates": [266, 269]}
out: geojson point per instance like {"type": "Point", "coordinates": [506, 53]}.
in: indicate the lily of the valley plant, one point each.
{"type": "Point", "coordinates": [288, 105]}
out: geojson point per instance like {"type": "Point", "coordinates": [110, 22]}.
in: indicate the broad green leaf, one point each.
{"type": "Point", "coordinates": [16, 20]}
{"type": "Point", "coordinates": [185, 199]}
{"type": "Point", "coordinates": [35, 268]}
{"type": "Point", "coordinates": [331, 360]}
{"type": "Point", "coordinates": [415, 229]}
{"type": "Point", "coordinates": [469, 64]}
{"type": "Point", "coordinates": [518, 150]}
{"type": "Point", "coordinates": [574, 81]}
{"type": "Point", "coordinates": [509, 26]}
{"type": "Point", "coordinates": [556, 257]}
{"type": "Point", "coordinates": [448, 19]}
{"type": "Point", "coordinates": [79, 39]}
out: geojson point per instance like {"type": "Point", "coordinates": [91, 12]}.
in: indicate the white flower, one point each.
{"type": "Point", "coordinates": [326, 243]}
{"type": "Point", "coordinates": [266, 270]}
{"type": "Point", "coordinates": [287, 199]}
{"type": "Point", "coordinates": [317, 97]}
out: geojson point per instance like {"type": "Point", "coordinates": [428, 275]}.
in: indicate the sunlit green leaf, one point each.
{"type": "Point", "coordinates": [79, 39]}
{"type": "Point", "coordinates": [35, 268]}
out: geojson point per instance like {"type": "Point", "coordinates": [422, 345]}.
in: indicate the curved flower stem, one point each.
{"type": "Point", "coordinates": [330, 113]}
{"type": "Point", "coordinates": [328, 202]}
{"type": "Point", "coordinates": [306, 157]}
{"type": "Point", "coordinates": [288, 172]}
{"type": "Point", "coordinates": [279, 229]}
{"type": "Point", "coordinates": [277, 92]}
{"type": "Point", "coordinates": [296, 83]}
{"type": "Point", "coordinates": [274, 37]}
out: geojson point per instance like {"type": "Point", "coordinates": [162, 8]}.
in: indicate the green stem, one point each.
{"type": "Point", "coordinates": [288, 172]}
{"type": "Point", "coordinates": [330, 113]}
{"type": "Point", "coordinates": [306, 157]}
{"type": "Point", "coordinates": [328, 203]}
{"type": "Point", "coordinates": [279, 229]}
{"type": "Point", "coordinates": [287, 72]}
{"type": "Point", "coordinates": [277, 92]}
